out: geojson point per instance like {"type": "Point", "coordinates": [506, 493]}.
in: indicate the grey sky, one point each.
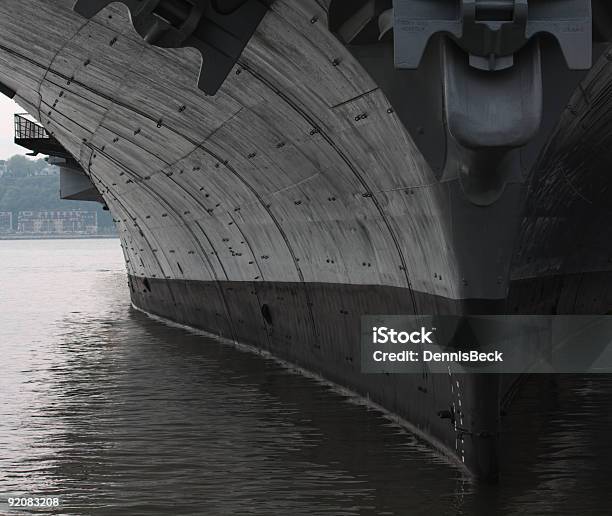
{"type": "Point", "coordinates": [7, 109]}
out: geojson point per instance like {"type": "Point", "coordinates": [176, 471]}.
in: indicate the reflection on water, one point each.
{"type": "Point", "coordinates": [118, 414]}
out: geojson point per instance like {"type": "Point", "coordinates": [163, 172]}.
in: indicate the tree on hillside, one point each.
{"type": "Point", "coordinates": [22, 189]}
{"type": "Point", "coordinates": [21, 166]}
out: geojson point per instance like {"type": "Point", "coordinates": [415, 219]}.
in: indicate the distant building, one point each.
{"type": "Point", "coordinates": [48, 170]}
{"type": "Point", "coordinates": [57, 222]}
{"type": "Point", "coordinates": [3, 167]}
{"type": "Point", "coordinates": [6, 221]}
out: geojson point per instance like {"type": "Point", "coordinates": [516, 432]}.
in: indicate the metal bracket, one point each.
{"type": "Point", "coordinates": [219, 29]}
{"type": "Point", "coordinates": [492, 31]}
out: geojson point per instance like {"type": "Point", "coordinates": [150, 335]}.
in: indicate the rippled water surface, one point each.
{"type": "Point", "coordinates": [117, 414]}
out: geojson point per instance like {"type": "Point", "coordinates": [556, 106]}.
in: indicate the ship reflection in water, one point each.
{"type": "Point", "coordinates": [116, 413]}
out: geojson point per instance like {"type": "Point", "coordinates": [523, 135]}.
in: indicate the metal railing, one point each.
{"type": "Point", "coordinates": [26, 129]}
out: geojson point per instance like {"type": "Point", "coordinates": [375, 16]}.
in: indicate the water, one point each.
{"type": "Point", "coordinates": [115, 413]}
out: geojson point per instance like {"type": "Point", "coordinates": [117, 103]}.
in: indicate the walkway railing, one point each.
{"type": "Point", "coordinates": [26, 129]}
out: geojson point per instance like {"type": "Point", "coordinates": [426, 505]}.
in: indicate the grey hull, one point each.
{"type": "Point", "coordinates": [302, 186]}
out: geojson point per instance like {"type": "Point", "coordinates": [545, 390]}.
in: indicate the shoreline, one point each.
{"type": "Point", "coordinates": [56, 237]}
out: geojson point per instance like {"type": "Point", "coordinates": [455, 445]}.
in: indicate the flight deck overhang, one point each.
{"type": "Point", "coordinates": [75, 184]}
{"type": "Point", "coordinates": [34, 137]}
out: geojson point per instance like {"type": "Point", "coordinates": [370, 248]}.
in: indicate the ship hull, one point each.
{"type": "Point", "coordinates": [437, 407]}
{"type": "Point", "coordinates": [297, 199]}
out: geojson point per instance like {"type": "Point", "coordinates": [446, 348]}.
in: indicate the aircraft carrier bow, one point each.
{"type": "Point", "coordinates": [279, 168]}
